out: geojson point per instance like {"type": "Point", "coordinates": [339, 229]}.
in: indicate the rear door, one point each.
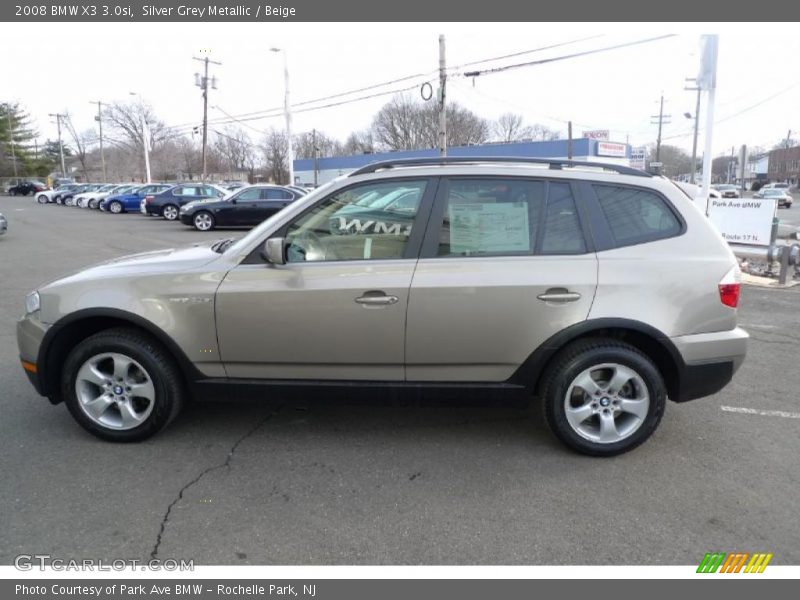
{"type": "Point", "coordinates": [506, 263]}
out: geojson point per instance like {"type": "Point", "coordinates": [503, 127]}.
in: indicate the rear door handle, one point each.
{"type": "Point", "coordinates": [376, 298]}
{"type": "Point", "coordinates": [559, 295]}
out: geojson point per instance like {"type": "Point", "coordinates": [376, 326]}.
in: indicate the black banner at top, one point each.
{"type": "Point", "coordinates": [405, 10]}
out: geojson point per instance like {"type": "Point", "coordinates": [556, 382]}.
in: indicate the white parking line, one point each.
{"type": "Point", "coordinates": [762, 413]}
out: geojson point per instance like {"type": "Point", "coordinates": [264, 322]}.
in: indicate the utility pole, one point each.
{"type": "Point", "coordinates": [202, 83]}
{"type": "Point", "coordinates": [696, 130]}
{"type": "Point", "coordinates": [58, 117]}
{"type": "Point", "coordinates": [11, 138]}
{"type": "Point", "coordinates": [788, 139]}
{"type": "Point", "coordinates": [730, 164]}
{"type": "Point", "coordinates": [99, 119]}
{"type": "Point", "coordinates": [442, 97]}
{"type": "Point", "coordinates": [316, 154]}
{"type": "Point", "coordinates": [287, 113]}
{"type": "Point", "coordinates": [662, 120]}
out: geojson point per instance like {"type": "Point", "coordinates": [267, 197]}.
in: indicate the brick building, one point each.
{"type": "Point", "coordinates": [784, 165]}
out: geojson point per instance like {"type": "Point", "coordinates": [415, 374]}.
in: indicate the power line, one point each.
{"type": "Point", "coordinates": [523, 52]}
{"type": "Point", "coordinates": [567, 56]}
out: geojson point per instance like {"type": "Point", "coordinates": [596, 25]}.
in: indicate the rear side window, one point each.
{"type": "Point", "coordinates": [636, 216]}
{"type": "Point", "coordinates": [508, 217]}
{"type": "Point", "coordinates": [273, 194]}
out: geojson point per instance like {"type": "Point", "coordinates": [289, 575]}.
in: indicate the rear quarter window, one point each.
{"type": "Point", "coordinates": [636, 216]}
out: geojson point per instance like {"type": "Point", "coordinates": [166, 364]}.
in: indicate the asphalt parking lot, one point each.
{"type": "Point", "coordinates": [324, 483]}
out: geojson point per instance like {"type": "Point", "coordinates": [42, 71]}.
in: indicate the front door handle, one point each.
{"type": "Point", "coordinates": [559, 295]}
{"type": "Point", "coordinates": [376, 298]}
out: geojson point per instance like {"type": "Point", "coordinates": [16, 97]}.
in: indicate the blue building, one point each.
{"type": "Point", "coordinates": [582, 149]}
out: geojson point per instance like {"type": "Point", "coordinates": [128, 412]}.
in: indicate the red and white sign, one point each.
{"type": "Point", "coordinates": [611, 149]}
{"type": "Point", "coordinates": [596, 134]}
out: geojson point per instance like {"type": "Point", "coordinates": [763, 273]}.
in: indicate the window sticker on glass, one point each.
{"type": "Point", "coordinates": [483, 228]}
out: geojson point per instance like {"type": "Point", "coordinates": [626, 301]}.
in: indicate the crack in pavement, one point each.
{"type": "Point", "coordinates": [226, 463]}
{"type": "Point", "coordinates": [766, 341]}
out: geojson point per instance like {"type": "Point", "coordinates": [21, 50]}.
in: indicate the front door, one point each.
{"type": "Point", "coordinates": [337, 309]}
{"type": "Point", "coordinates": [504, 266]}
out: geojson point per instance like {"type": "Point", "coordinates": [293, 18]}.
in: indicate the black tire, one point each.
{"type": "Point", "coordinates": [41, 199]}
{"type": "Point", "coordinates": [204, 221]}
{"type": "Point", "coordinates": [170, 212]}
{"type": "Point", "coordinates": [585, 354]}
{"type": "Point", "coordinates": [115, 207]}
{"type": "Point", "coordinates": [161, 368]}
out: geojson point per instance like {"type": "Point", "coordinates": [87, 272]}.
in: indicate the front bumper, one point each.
{"type": "Point", "coordinates": [30, 333]}
{"type": "Point", "coordinates": [710, 360]}
{"type": "Point", "coordinates": [186, 218]}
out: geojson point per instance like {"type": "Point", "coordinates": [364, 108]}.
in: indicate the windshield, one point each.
{"type": "Point", "coordinates": [259, 232]}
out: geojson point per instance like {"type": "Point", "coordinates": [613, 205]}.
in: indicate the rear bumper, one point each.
{"type": "Point", "coordinates": [710, 361]}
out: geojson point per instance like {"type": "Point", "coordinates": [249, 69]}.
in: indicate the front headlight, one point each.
{"type": "Point", "coordinates": [32, 303]}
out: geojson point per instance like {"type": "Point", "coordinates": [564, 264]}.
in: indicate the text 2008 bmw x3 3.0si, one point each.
{"type": "Point", "coordinates": [600, 289]}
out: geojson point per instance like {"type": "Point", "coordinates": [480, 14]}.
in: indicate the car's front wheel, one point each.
{"type": "Point", "coordinates": [115, 207]}
{"type": "Point", "coordinates": [121, 385]}
{"type": "Point", "coordinates": [603, 397]}
{"type": "Point", "coordinates": [41, 199]}
{"type": "Point", "coordinates": [203, 221]}
{"type": "Point", "coordinates": [170, 212]}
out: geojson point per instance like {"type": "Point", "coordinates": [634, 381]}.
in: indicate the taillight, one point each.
{"type": "Point", "coordinates": [147, 199]}
{"type": "Point", "coordinates": [730, 286]}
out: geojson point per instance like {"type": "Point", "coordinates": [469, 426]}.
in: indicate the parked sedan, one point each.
{"type": "Point", "coordinates": [48, 196]}
{"type": "Point", "coordinates": [167, 204]}
{"type": "Point", "coordinates": [244, 208]}
{"type": "Point", "coordinates": [728, 191]}
{"type": "Point", "coordinates": [27, 187]}
{"type": "Point", "coordinates": [781, 195]}
{"type": "Point", "coordinates": [128, 201]}
{"type": "Point", "coordinates": [70, 198]}
{"type": "Point", "coordinates": [82, 200]}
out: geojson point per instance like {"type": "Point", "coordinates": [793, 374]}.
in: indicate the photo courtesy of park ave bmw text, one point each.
{"type": "Point", "coordinates": [325, 300]}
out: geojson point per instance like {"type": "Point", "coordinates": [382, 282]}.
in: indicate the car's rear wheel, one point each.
{"type": "Point", "coordinates": [603, 397]}
{"type": "Point", "coordinates": [121, 385]}
{"type": "Point", "coordinates": [203, 221]}
{"type": "Point", "coordinates": [115, 207]}
{"type": "Point", "coordinates": [170, 212]}
{"type": "Point", "coordinates": [92, 203]}
{"type": "Point", "coordinates": [41, 199]}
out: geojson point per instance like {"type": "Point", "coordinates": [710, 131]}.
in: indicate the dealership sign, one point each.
{"type": "Point", "coordinates": [611, 149]}
{"type": "Point", "coordinates": [744, 220]}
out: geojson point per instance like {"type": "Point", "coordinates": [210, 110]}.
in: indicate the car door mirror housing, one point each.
{"type": "Point", "coordinates": [275, 251]}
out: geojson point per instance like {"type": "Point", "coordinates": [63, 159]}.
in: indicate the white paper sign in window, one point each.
{"type": "Point", "coordinates": [488, 228]}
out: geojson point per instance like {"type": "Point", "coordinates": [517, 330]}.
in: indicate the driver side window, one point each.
{"type": "Point", "coordinates": [358, 223]}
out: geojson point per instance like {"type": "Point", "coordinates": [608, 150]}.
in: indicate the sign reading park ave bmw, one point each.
{"type": "Point", "coordinates": [744, 220]}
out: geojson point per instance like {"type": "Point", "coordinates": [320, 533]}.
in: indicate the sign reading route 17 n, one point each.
{"type": "Point", "coordinates": [744, 220]}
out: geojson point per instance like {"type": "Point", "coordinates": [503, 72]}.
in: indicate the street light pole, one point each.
{"type": "Point", "coordinates": [694, 143]}
{"type": "Point", "coordinates": [99, 119]}
{"type": "Point", "coordinates": [145, 136]}
{"type": "Point", "coordinates": [287, 112]}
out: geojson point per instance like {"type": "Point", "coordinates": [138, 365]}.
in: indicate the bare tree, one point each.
{"type": "Point", "coordinates": [407, 124]}
{"type": "Point", "coordinates": [511, 127]}
{"type": "Point", "coordinates": [234, 147]}
{"type": "Point", "coordinates": [543, 133]}
{"type": "Point", "coordinates": [80, 143]}
{"type": "Point", "coordinates": [359, 142]}
{"type": "Point", "coordinates": [125, 120]}
{"type": "Point", "coordinates": [305, 142]}
{"type": "Point", "coordinates": [276, 153]}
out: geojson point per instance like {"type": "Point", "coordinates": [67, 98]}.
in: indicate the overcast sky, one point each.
{"type": "Point", "coordinates": [61, 67]}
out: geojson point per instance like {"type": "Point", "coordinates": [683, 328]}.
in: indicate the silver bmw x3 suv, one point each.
{"type": "Point", "coordinates": [599, 289]}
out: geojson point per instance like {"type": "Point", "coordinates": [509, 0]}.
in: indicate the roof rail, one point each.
{"type": "Point", "coordinates": [554, 163]}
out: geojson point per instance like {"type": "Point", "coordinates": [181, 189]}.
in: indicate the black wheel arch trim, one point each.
{"type": "Point", "coordinates": [530, 372]}
{"type": "Point", "coordinates": [45, 378]}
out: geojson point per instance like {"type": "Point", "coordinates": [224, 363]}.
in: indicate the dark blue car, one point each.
{"type": "Point", "coordinates": [130, 201]}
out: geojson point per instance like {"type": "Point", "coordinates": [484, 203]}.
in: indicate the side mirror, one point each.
{"type": "Point", "coordinates": [274, 251]}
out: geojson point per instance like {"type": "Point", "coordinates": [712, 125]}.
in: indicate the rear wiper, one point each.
{"type": "Point", "coordinates": [222, 245]}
